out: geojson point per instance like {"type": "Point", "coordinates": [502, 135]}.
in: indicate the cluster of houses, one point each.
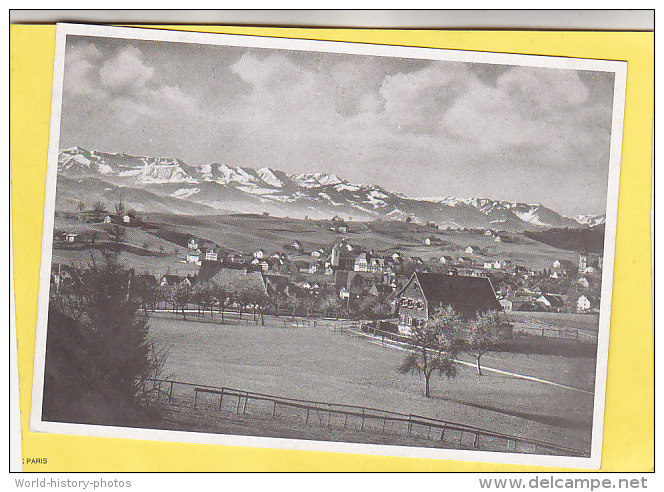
{"type": "Point", "coordinates": [353, 272]}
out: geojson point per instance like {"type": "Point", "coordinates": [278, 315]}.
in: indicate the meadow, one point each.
{"type": "Point", "coordinates": [317, 364]}
{"type": "Point", "coordinates": [248, 232]}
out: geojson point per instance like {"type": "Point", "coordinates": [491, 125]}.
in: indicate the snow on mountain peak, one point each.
{"type": "Point", "coordinates": [590, 220]}
{"type": "Point", "coordinates": [316, 193]}
{"type": "Point", "coordinates": [268, 176]}
{"type": "Point", "coordinates": [310, 180]}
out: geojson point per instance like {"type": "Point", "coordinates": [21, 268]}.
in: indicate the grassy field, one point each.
{"type": "Point", "coordinates": [247, 233]}
{"type": "Point", "coordinates": [317, 364]}
{"type": "Point", "coordinates": [589, 322]}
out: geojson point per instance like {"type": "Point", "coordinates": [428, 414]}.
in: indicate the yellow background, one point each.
{"type": "Point", "coordinates": [629, 417]}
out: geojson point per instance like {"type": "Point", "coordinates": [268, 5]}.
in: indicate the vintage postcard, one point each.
{"type": "Point", "coordinates": [328, 246]}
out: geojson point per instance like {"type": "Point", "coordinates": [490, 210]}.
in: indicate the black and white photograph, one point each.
{"type": "Point", "coordinates": [328, 246]}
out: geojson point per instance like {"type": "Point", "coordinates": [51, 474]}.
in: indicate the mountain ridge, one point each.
{"type": "Point", "coordinates": [219, 186]}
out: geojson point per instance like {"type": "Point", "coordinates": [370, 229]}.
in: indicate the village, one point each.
{"type": "Point", "coordinates": [347, 279]}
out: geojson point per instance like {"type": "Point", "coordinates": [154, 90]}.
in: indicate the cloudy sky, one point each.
{"type": "Point", "coordinates": [423, 128]}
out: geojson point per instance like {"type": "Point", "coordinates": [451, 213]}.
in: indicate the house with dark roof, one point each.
{"type": "Point", "coordinates": [172, 280]}
{"type": "Point", "coordinates": [231, 278]}
{"type": "Point", "coordinates": [552, 302]}
{"type": "Point", "coordinates": [425, 292]}
{"type": "Point", "coordinates": [277, 284]}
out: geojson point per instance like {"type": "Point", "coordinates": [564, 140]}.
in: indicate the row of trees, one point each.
{"type": "Point", "coordinates": [436, 344]}
{"type": "Point", "coordinates": [208, 297]}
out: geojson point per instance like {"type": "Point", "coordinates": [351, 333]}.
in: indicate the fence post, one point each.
{"type": "Point", "coordinates": [306, 420]}
{"type": "Point", "coordinates": [345, 419]}
{"type": "Point", "coordinates": [362, 428]}
{"type": "Point", "coordinates": [477, 436]}
{"type": "Point", "coordinates": [170, 393]}
{"type": "Point", "coordinates": [246, 399]}
{"type": "Point", "coordinates": [239, 400]}
{"type": "Point", "coordinates": [159, 391]}
{"type": "Point", "coordinates": [221, 398]}
{"type": "Point", "coordinates": [442, 434]}
{"type": "Point", "coordinates": [274, 409]}
{"type": "Point", "coordinates": [410, 424]}
{"type": "Point", "coordinates": [384, 421]}
{"type": "Point", "coordinates": [195, 397]}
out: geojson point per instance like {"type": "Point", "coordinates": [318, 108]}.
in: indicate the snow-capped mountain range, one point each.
{"type": "Point", "coordinates": [170, 185]}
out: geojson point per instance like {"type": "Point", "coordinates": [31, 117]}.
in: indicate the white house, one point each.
{"type": "Point", "coordinates": [376, 265]}
{"type": "Point", "coordinates": [192, 244]}
{"type": "Point", "coordinates": [497, 239]}
{"type": "Point", "coordinates": [107, 219]}
{"type": "Point", "coordinates": [488, 232]}
{"type": "Point", "coordinates": [446, 260]}
{"type": "Point", "coordinates": [193, 256]}
{"type": "Point", "coordinates": [71, 237]}
{"type": "Point", "coordinates": [554, 274]}
{"type": "Point", "coordinates": [259, 253]}
{"type": "Point", "coordinates": [126, 219]}
{"type": "Point", "coordinates": [506, 305]}
{"type": "Point", "coordinates": [344, 293]}
{"type": "Point", "coordinates": [211, 255]}
{"type": "Point", "coordinates": [582, 304]}
{"type": "Point", "coordinates": [583, 282]}
{"type": "Point", "coordinates": [469, 250]}
{"type": "Point", "coordinates": [361, 264]}
{"type": "Point", "coordinates": [556, 264]}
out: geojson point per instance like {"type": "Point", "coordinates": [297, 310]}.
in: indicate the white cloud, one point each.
{"type": "Point", "coordinates": [79, 69]}
{"type": "Point", "coordinates": [369, 119]}
{"type": "Point", "coordinates": [126, 70]}
{"type": "Point", "coordinates": [415, 101]}
{"type": "Point", "coordinates": [527, 106]}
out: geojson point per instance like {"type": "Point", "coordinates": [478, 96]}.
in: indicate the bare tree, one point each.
{"type": "Point", "coordinates": [117, 234]}
{"type": "Point", "coordinates": [180, 296]}
{"type": "Point", "coordinates": [484, 335]}
{"type": "Point", "coordinates": [221, 296]}
{"type": "Point", "coordinates": [243, 298]}
{"type": "Point", "coordinates": [259, 299]}
{"type": "Point", "coordinates": [202, 295]}
{"type": "Point", "coordinates": [432, 348]}
{"type": "Point", "coordinates": [120, 209]}
{"type": "Point", "coordinates": [330, 303]}
{"type": "Point", "coordinates": [98, 210]}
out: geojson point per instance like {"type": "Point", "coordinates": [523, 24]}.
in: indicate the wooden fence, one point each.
{"type": "Point", "coordinates": [538, 327]}
{"type": "Point", "coordinates": [340, 416]}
